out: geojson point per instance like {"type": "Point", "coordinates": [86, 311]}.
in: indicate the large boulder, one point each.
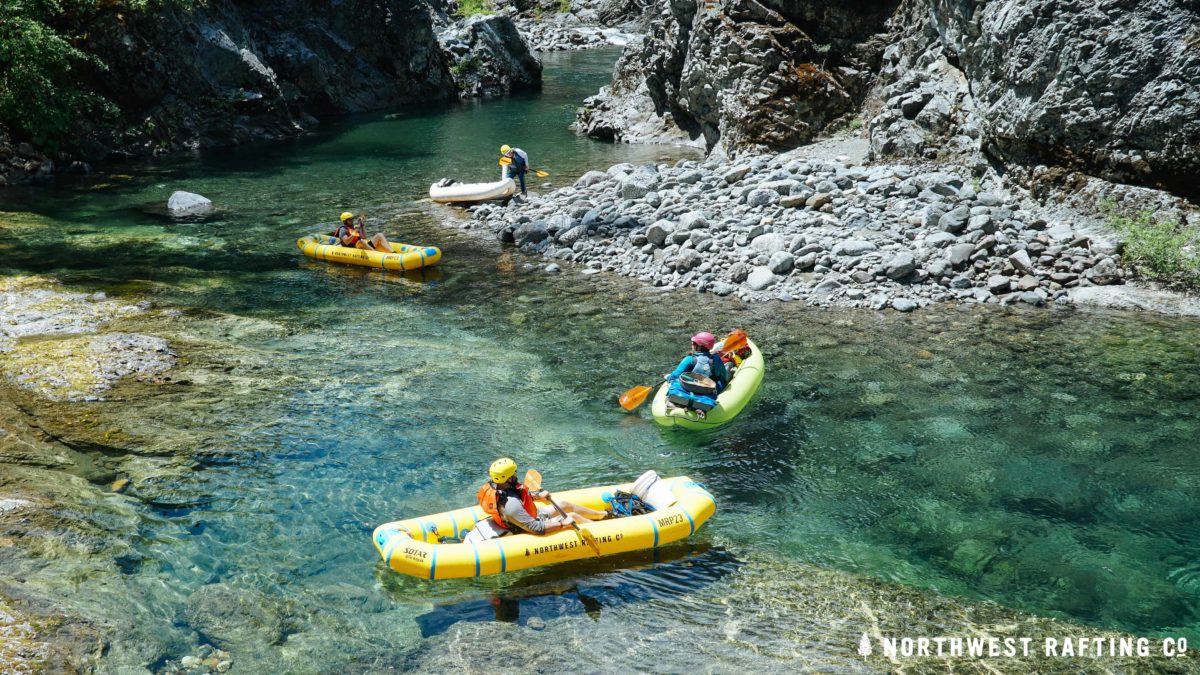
{"type": "Point", "coordinates": [488, 57]}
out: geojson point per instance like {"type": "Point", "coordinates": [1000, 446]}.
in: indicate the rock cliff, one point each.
{"type": "Point", "coordinates": [1111, 88]}
{"type": "Point", "coordinates": [741, 74]}
{"type": "Point", "coordinates": [184, 75]}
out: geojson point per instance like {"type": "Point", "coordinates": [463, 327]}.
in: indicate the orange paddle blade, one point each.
{"type": "Point", "coordinates": [735, 341]}
{"type": "Point", "coordinates": [533, 480]}
{"type": "Point", "coordinates": [634, 397]}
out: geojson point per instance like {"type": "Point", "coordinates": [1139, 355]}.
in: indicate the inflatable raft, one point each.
{"type": "Point", "coordinates": [729, 402]}
{"type": "Point", "coordinates": [407, 256]}
{"type": "Point", "coordinates": [468, 193]}
{"type": "Point", "coordinates": [415, 547]}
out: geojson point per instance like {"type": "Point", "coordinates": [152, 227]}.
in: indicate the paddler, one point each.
{"type": "Point", "coordinates": [518, 164]}
{"type": "Point", "coordinates": [511, 505]}
{"type": "Point", "coordinates": [351, 235]}
{"type": "Point", "coordinates": [701, 361]}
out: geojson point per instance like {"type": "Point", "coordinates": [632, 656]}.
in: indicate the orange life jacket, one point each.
{"type": "Point", "coordinates": [489, 501]}
{"type": "Point", "coordinates": [351, 231]}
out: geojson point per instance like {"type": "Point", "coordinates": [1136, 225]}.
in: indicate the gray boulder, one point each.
{"type": "Point", "coordinates": [853, 247]}
{"type": "Point", "coordinates": [769, 243]}
{"type": "Point", "coordinates": [781, 262]}
{"type": "Point", "coordinates": [761, 278]}
{"type": "Point", "coordinates": [955, 221]}
{"type": "Point", "coordinates": [761, 197]}
{"type": "Point", "coordinates": [693, 220]}
{"type": "Point", "coordinates": [530, 233]}
{"type": "Point", "coordinates": [658, 232]}
{"type": "Point", "coordinates": [188, 204]}
{"type": "Point", "coordinates": [591, 178]}
{"type": "Point", "coordinates": [900, 266]}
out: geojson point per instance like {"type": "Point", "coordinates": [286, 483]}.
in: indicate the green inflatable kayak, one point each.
{"type": "Point", "coordinates": [729, 403]}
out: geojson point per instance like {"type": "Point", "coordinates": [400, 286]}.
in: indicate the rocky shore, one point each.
{"type": "Point", "coordinates": [565, 34]}
{"type": "Point", "coordinates": [827, 232]}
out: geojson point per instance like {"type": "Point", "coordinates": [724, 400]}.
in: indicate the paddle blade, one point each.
{"type": "Point", "coordinates": [505, 161]}
{"type": "Point", "coordinates": [634, 397]}
{"type": "Point", "coordinates": [587, 537]}
{"type": "Point", "coordinates": [533, 480]}
{"type": "Point", "coordinates": [735, 341]}
{"type": "Point", "coordinates": [541, 174]}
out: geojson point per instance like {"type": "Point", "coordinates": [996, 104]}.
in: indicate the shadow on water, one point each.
{"type": "Point", "coordinates": [584, 587]}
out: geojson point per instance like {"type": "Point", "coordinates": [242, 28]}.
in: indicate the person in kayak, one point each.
{"type": "Point", "coordinates": [519, 164]}
{"type": "Point", "coordinates": [350, 235]}
{"type": "Point", "coordinates": [511, 506]}
{"type": "Point", "coordinates": [701, 361]}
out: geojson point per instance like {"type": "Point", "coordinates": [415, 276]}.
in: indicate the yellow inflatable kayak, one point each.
{"type": "Point", "coordinates": [407, 256]}
{"type": "Point", "coordinates": [729, 402]}
{"type": "Point", "coordinates": [414, 546]}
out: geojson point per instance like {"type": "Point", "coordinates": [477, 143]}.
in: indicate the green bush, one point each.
{"type": "Point", "coordinates": [468, 8]}
{"type": "Point", "coordinates": [1159, 250]}
{"type": "Point", "coordinates": [42, 95]}
{"type": "Point", "coordinates": [467, 65]}
{"type": "Point", "coordinates": [564, 6]}
{"type": "Point", "coordinates": [40, 98]}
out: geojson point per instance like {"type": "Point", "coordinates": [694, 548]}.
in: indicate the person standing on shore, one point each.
{"type": "Point", "coordinates": [517, 165]}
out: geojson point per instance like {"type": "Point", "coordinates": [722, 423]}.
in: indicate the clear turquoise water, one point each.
{"type": "Point", "coordinates": [1044, 460]}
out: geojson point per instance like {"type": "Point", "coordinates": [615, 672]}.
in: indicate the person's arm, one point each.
{"type": "Point", "coordinates": [719, 372]}
{"type": "Point", "coordinates": [684, 366]}
{"type": "Point", "coordinates": [515, 513]}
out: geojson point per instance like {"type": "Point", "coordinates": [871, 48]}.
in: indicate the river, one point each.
{"type": "Point", "coordinates": [975, 464]}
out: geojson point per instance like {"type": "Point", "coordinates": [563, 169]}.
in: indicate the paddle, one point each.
{"type": "Point", "coordinates": [540, 173]}
{"type": "Point", "coordinates": [533, 483]}
{"type": "Point", "coordinates": [637, 395]}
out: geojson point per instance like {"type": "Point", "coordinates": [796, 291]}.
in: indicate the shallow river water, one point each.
{"type": "Point", "coordinates": [1041, 460]}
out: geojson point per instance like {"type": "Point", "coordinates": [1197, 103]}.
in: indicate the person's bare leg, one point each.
{"type": "Point", "coordinates": [381, 243]}
{"type": "Point", "coordinates": [585, 512]}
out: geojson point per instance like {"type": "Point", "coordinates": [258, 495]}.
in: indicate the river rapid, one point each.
{"type": "Point", "coordinates": [957, 471]}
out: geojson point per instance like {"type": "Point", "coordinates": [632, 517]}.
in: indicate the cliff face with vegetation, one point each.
{"type": "Point", "coordinates": [140, 77]}
{"type": "Point", "coordinates": [1109, 87]}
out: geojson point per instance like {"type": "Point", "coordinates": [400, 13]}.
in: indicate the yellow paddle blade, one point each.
{"type": "Point", "coordinates": [634, 397]}
{"type": "Point", "coordinates": [587, 537]}
{"type": "Point", "coordinates": [505, 161]}
{"type": "Point", "coordinates": [533, 480]}
{"type": "Point", "coordinates": [541, 174]}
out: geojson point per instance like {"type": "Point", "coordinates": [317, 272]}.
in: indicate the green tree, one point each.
{"type": "Point", "coordinates": [40, 96]}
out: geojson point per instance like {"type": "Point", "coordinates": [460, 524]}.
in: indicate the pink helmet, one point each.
{"type": "Point", "coordinates": [705, 340]}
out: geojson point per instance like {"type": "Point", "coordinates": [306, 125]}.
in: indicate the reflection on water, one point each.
{"type": "Point", "coordinates": [589, 587]}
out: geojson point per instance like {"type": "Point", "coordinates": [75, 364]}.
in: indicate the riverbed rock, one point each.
{"type": "Point", "coordinates": [236, 618]}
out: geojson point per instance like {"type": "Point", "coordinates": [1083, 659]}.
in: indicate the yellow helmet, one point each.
{"type": "Point", "coordinates": [504, 149]}
{"type": "Point", "coordinates": [502, 469]}
{"type": "Point", "coordinates": [346, 215]}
